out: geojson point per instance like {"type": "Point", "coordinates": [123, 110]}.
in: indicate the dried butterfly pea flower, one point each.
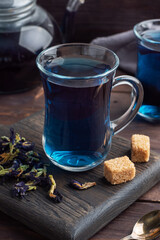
{"type": "Point", "coordinates": [5, 139]}
{"type": "Point", "coordinates": [14, 171]}
{"type": "Point", "coordinates": [53, 193]}
{"type": "Point", "coordinates": [27, 146]}
{"type": "Point", "coordinates": [35, 173]}
{"type": "Point", "coordinates": [58, 197]}
{"type": "Point", "coordinates": [8, 157]}
{"type": "Point", "coordinates": [4, 144]}
{"type": "Point", "coordinates": [16, 164]}
{"type": "Point", "coordinates": [53, 185]}
{"type": "Point", "coordinates": [26, 165]}
{"type": "Point", "coordinates": [9, 171]}
{"type": "Point", "coordinates": [28, 158]}
{"type": "Point", "coordinates": [21, 169]}
{"type": "Point", "coordinates": [20, 189]}
{"type": "Point", "coordinates": [3, 171]}
{"type": "Point", "coordinates": [77, 185]}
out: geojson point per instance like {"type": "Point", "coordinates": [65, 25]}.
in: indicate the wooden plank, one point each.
{"type": "Point", "coordinates": [15, 107]}
{"type": "Point", "coordinates": [121, 226]}
{"type": "Point", "coordinates": [81, 214]}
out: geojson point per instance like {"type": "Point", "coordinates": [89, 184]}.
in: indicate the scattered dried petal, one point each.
{"type": "Point", "coordinates": [19, 190]}
{"type": "Point", "coordinates": [27, 146]}
{"type": "Point", "coordinates": [7, 157]}
{"type": "Point", "coordinates": [57, 197]}
{"type": "Point", "coordinates": [77, 185]}
{"type": "Point", "coordinates": [53, 193]}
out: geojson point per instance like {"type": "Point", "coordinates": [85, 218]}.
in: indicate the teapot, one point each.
{"type": "Point", "coordinates": [25, 30]}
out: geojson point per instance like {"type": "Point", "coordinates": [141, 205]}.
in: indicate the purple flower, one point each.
{"type": "Point", "coordinates": [4, 144]}
{"type": "Point", "coordinates": [77, 185]}
{"type": "Point", "coordinates": [57, 197]}
{"type": "Point", "coordinates": [16, 164]}
{"type": "Point", "coordinates": [24, 164]}
{"type": "Point", "coordinates": [27, 146]}
{"type": "Point", "coordinates": [53, 193]}
{"type": "Point", "coordinates": [19, 190]}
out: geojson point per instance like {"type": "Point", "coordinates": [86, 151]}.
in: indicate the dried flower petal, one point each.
{"type": "Point", "coordinates": [5, 139]}
{"type": "Point", "coordinates": [3, 171]}
{"type": "Point", "coordinates": [7, 157]}
{"type": "Point", "coordinates": [53, 185]}
{"type": "Point", "coordinates": [20, 189]}
{"type": "Point", "coordinates": [35, 173]}
{"type": "Point", "coordinates": [53, 193]}
{"type": "Point", "coordinates": [77, 185]}
{"type": "Point", "coordinates": [16, 164]}
{"type": "Point", "coordinates": [27, 146]}
{"type": "Point", "coordinates": [24, 163]}
{"type": "Point", "coordinates": [22, 169]}
{"type": "Point", "coordinates": [57, 197]}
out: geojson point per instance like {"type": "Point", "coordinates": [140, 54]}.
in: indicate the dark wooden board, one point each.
{"type": "Point", "coordinates": [82, 213]}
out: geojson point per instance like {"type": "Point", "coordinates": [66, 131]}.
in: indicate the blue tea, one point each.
{"type": "Point", "coordinates": [148, 72]}
{"type": "Point", "coordinates": [76, 128]}
{"type": "Point", "coordinates": [77, 80]}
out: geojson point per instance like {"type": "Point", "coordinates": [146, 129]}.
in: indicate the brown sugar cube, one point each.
{"type": "Point", "coordinates": [119, 170]}
{"type": "Point", "coordinates": [140, 148]}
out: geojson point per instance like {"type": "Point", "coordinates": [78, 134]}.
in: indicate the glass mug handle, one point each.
{"type": "Point", "coordinates": [137, 98]}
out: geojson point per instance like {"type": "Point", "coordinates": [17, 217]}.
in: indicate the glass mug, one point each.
{"type": "Point", "coordinates": [148, 67]}
{"type": "Point", "coordinates": [77, 81]}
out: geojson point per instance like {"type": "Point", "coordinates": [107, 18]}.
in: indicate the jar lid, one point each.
{"type": "Point", "coordinates": [11, 10]}
{"type": "Point", "coordinates": [14, 3]}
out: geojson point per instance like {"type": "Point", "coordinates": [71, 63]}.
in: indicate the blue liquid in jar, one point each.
{"type": "Point", "coordinates": [18, 52]}
{"type": "Point", "coordinates": [148, 72]}
{"type": "Point", "coordinates": [77, 124]}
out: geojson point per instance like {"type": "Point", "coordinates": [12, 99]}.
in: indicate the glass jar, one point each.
{"type": "Point", "coordinates": [25, 30]}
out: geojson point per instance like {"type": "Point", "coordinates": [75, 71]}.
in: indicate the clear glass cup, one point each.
{"type": "Point", "coordinates": [148, 67]}
{"type": "Point", "coordinates": [77, 81]}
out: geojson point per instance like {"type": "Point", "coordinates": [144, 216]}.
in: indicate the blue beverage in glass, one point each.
{"type": "Point", "coordinates": [76, 122]}
{"type": "Point", "coordinates": [77, 81]}
{"type": "Point", "coordinates": [148, 67]}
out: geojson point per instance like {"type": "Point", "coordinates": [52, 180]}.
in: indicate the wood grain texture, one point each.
{"type": "Point", "coordinates": [82, 213]}
{"type": "Point", "coordinates": [12, 229]}
{"type": "Point", "coordinates": [15, 107]}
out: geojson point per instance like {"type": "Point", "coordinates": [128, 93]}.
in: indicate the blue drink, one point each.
{"type": "Point", "coordinates": [77, 80]}
{"type": "Point", "coordinates": [76, 120]}
{"type": "Point", "coordinates": [148, 72]}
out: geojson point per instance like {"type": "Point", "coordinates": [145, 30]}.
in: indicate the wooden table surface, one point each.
{"type": "Point", "coordinates": [18, 106]}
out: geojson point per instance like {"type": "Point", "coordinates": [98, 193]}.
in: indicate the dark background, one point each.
{"type": "Point", "coordinates": [98, 18]}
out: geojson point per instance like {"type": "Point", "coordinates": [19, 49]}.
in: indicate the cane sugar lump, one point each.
{"type": "Point", "coordinates": [140, 148]}
{"type": "Point", "coordinates": [119, 170]}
